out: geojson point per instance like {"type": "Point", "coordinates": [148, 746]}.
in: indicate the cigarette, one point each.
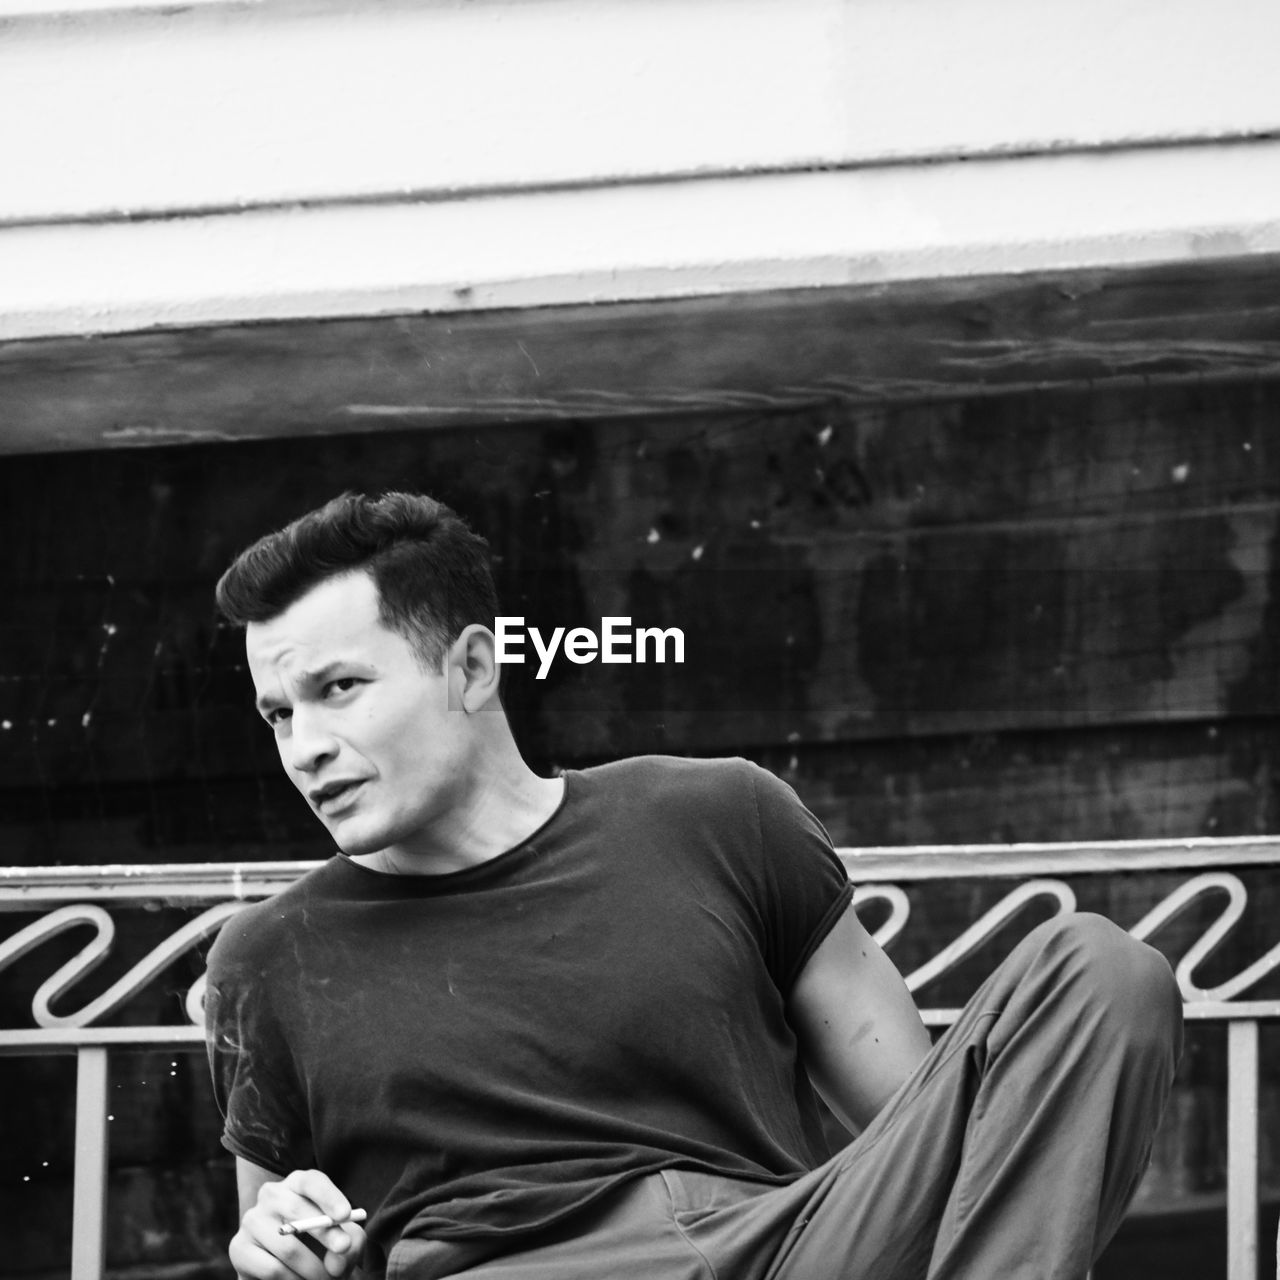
{"type": "Point", "coordinates": [319, 1222]}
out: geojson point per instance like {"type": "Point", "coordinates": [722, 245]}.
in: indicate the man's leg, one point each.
{"type": "Point", "coordinates": [1086, 1069]}
{"type": "Point", "coordinates": [1011, 1152]}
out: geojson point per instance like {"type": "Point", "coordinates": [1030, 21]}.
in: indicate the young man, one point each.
{"type": "Point", "coordinates": [566, 1028]}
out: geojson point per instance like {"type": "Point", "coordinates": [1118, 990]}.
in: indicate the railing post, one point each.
{"type": "Point", "coordinates": [90, 1187]}
{"type": "Point", "coordinates": [1242, 1150]}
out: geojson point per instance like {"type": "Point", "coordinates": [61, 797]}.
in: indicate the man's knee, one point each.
{"type": "Point", "coordinates": [1126, 983]}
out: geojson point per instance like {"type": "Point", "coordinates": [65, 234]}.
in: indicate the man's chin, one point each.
{"type": "Point", "coordinates": [352, 841]}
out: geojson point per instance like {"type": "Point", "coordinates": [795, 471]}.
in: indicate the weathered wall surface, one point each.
{"type": "Point", "coordinates": [1036, 616]}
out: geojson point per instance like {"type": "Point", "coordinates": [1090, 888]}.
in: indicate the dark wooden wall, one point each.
{"type": "Point", "coordinates": [1035, 615]}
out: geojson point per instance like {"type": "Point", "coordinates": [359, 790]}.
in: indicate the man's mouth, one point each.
{"type": "Point", "coordinates": [333, 796]}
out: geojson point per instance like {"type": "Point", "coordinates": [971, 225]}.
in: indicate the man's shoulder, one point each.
{"type": "Point", "coordinates": [674, 779]}
{"type": "Point", "coordinates": [727, 790]}
{"type": "Point", "coordinates": [258, 929]}
{"type": "Point", "coordinates": [657, 770]}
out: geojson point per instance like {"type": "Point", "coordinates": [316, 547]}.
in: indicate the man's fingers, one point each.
{"type": "Point", "coordinates": [260, 1252]}
{"type": "Point", "coordinates": [320, 1190]}
{"type": "Point", "coordinates": [288, 1260]}
{"type": "Point", "coordinates": [343, 1245]}
{"type": "Point", "coordinates": [337, 1239]}
{"type": "Point", "coordinates": [337, 1262]}
{"type": "Point", "coordinates": [266, 1254]}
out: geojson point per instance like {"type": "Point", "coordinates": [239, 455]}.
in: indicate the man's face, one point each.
{"type": "Point", "coordinates": [363, 731]}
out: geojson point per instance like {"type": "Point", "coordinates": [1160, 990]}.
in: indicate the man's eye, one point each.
{"type": "Point", "coordinates": [276, 716]}
{"type": "Point", "coordinates": [341, 685]}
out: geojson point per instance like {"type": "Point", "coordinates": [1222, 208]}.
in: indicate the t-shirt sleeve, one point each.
{"type": "Point", "coordinates": [254, 1084]}
{"type": "Point", "coordinates": [806, 885]}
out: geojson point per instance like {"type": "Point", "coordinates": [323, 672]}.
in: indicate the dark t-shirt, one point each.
{"type": "Point", "coordinates": [480, 1052]}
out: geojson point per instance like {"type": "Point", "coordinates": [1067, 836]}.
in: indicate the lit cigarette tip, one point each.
{"type": "Point", "coordinates": [319, 1222]}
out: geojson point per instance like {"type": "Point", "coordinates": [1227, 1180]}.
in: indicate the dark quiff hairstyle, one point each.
{"type": "Point", "coordinates": [432, 572]}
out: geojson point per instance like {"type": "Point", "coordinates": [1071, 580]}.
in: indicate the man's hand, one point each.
{"type": "Point", "coordinates": [259, 1252]}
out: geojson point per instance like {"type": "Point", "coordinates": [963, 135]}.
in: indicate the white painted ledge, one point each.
{"type": "Point", "coordinates": [148, 108]}
{"type": "Point", "coordinates": [66, 12]}
{"type": "Point", "coordinates": [650, 241]}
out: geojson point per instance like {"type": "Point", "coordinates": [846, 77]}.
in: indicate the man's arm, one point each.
{"type": "Point", "coordinates": [859, 1032]}
{"type": "Point", "coordinates": [250, 1179]}
{"type": "Point", "coordinates": [259, 1252]}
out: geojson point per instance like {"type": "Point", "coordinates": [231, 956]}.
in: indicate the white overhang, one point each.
{"type": "Point", "coordinates": [217, 164]}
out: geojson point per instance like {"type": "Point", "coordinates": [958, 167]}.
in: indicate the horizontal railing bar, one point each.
{"type": "Point", "coordinates": [1224, 1011]}
{"type": "Point", "coordinates": [212, 881]}
{"type": "Point", "coordinates": [68, 1039]}
{"type": "Point", "coordinates": [1196, 1011]}
{"type": "Point", "coordinates": [50, 1040]}
{"type": "Point", "coordinates": [1107, 857]}
{"type": "Point", "coordinates": [124, 882]}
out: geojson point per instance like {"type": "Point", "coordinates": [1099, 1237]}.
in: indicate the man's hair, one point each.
{"type": "Point", "coordinates": [431, 571]}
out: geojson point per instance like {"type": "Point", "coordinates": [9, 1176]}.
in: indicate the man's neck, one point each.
{"type": "Point", "coordinates": [500, 812]}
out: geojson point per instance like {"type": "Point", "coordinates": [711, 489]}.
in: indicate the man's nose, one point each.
{"type": "Point", "coordinates": [311, 744]}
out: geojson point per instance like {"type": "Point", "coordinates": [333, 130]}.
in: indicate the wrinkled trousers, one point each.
{"type": "Point", "coordinates": [1011, 1151]}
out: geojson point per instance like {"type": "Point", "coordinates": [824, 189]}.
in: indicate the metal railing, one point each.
{"type": "Point", "coordinates": [66, 898]}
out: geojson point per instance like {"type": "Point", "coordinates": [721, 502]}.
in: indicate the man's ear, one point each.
{"type": "Point", "coordinates": [473, 668]}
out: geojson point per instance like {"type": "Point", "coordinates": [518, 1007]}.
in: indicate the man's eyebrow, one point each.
{"type": "Point", "coordinates": [306, 679]}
